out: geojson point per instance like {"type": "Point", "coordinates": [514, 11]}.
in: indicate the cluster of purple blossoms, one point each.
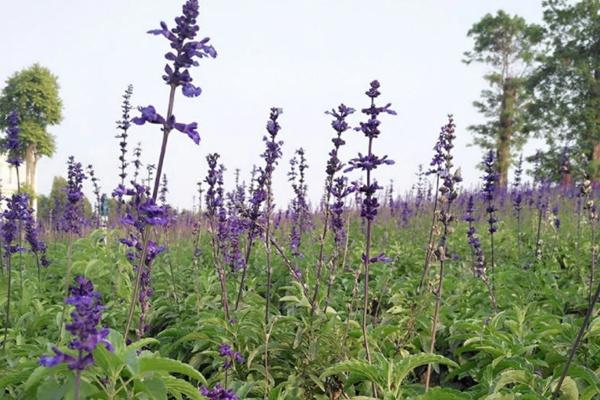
{"type": "Point", "coordinates": [84, 328]}
{"type": "Point", "coordinates": [259, 191]}
{"type": "Point", "coordinates": [226, 222]}
{"type": "Point", "coordinates": [370, 161]}
{"type": "Point", "coordinates": [444, 167]}
{"type": "Point", "coordinates": [184, 55]}
{"type": "Point", "coordinates": [236, 226]}
{"type": "Point", "coordinates": [490, 180]}
{"type": "Point", "coordinates": [340, 190]}
{"type": "Point", "coordinates": [17, 210]}
{"type": "Point", "coordinates": [73, 220]}
{"type": "Point", "coordinates": [449, 179]}
{"type": "Point", "coordinates": [474, 242]}
{"type": "Point", "coordinates": [214, 180]}
{"type": "Point", "coordinates": [12, 144]}
{"type": "Point", "coordinates": [218, 393]}
{"type": "Point", "coordinates": [38, 246]}
{"type": "Point", "coordinates": [141, 212]}
{"type": "Point", "coordinates": [405, 212]}
{"type": "Point", "coordinates": [517, 193]}
{"type": "Point", "coordinates": [231, 357]}
{"type": "Point", "coordinates": [299, 212]}
{"type": "Point", "coordinates": [340, 125]}
{"type": "Point", "coordinates": [185, 49]}
{"type": "Point", "coordinates": [338, 187]}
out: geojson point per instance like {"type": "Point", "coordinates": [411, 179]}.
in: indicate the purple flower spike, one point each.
{"type": "Point", "coordinates": [185, 50]}
{"type": "Point", "coordinates": [83, 327]}
{"type": "Point", "coordinates": [218, 393]}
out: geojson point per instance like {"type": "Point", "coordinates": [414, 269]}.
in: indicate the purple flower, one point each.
{"type": "Point", "coordinates": [185, 50]}
{"type": "Point", "coordinates": [475, 243]}
{"type": "Point", "coordinates": [17, 210]}
{"type": "Point", "coordinates": [490, 179]}
{"type": "Point", "coordinates": [218, 393]}
{"type": "Point", "coordinates": [73, 220]}
{"type": "Point", "coordinates": [369, 162]}
{"type": "Point", "coordinates": [339, 190]}
{"type": "Point", "coordinates": [262, 181]}
{"type": "Point", "coordinates": [230, 356]}
{"type": "Point", "coordinates": [299, 212]}
{"type": "Point", "coordinates": [83, 327]}
{"type": "Point", "coordinates": [38, 247]}
{"type": "Point", "coordinates": [149, 115]}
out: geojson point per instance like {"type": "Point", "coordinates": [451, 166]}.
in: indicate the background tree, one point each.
{"type": "Point", "coordinates": [506, 44]}
{"type": "Point", "coordinates": [567, 86]}
{"type": "Point", "coordinates": [33, 92]}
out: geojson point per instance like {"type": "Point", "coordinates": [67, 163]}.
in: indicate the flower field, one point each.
{"type": "Point", "coordinates": [441, 292]}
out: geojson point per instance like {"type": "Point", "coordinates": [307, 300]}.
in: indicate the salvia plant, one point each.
{"type": "Point", "coordinates": [346, 291]}
{"type": "Point", "coordinates": [369, 206]}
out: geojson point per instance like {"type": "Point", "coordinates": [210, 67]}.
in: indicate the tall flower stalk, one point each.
{"type": "Point", "coordinates": [436, 168]}
{"type": "Point", "coordinates": [490, 180]}
{"type": "Point", "coordinates": [477, 252]}
{"type": "Point", "coordinates": [447, 195]}
{"type": "Point", "coordinates": [184, 54]}
{"type": "Point", "coordinates": [11, 228]}
{"type": "Point", "coordinates": [123, 126]}
{"type": "Point", "coordinates": [298, 211]}
{"type": "Point", "coordinates": [369, 206]}
{"type": "Point", "coordinates": [271, 155]}
{"type": "Point", "coordinates": [261, 194]}
{"type": "Point", "coordinates": [217, 220]}
{"type": "Point", "coordinates": [334, 165]}
{"type": "Point", "coordinates": [72, 220]}
{"type": "Point", "coordinates": [517, 200]}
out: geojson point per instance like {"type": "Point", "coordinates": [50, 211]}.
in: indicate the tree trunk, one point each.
{"type": "Point", "coordinates": [31, 160]}
{"type": "Point", "coordinates": [507, 113]}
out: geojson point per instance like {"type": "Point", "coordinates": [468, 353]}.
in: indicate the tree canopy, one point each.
{"type": "Point", "coordinates": [33, 92]}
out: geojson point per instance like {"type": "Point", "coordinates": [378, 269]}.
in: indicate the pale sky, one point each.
{"type": "Point", "coordinates": [305, 56]}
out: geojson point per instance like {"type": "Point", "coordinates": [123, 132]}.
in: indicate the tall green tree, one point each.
{"type": "Point", "coordinates": [33, 92]}
{"type": "Point", "coordinates": [567, 85]}
{"type": "Point", "coordinates": [506, 45]}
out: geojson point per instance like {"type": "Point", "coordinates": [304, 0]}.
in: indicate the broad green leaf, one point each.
{"type": "Point", "coordinates": [150, 364]}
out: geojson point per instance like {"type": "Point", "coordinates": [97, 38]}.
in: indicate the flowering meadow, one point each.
{"type": "Point", "coordinates": [441, 292]}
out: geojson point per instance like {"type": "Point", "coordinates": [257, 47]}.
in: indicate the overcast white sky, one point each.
{"type": "Point", "coordinates": [304, 56]}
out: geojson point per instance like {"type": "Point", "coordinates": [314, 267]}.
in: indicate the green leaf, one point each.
{"type": "Point", "coordinates": [150, 364]}
{"type": "Point", "coordinates": [569, 390]}
{"type": "Point", "coordinates": [155, 387]}
{"type": "Point", "coordinates": [361, 369]}
{"type": "Point", "coordinates": [406, 365]}
{"type": "Point", "coordinates": [179, 386]}
{"type": "Point", "coordinates": [51, 390]}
